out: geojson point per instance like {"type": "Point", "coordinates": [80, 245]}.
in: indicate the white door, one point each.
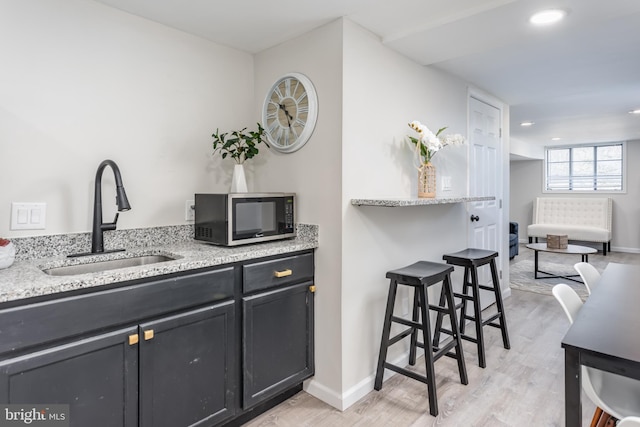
{"type": "Point", "coordinates": [485, 179]}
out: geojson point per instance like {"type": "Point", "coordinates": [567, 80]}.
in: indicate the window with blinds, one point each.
{"type": "Point", "coordinates": [585, 168]}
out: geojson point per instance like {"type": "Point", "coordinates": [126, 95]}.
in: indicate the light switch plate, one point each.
{"type": "Point", "coordinates": [28, 216]}
{"type": "Point", "coordinates": [446, 183]}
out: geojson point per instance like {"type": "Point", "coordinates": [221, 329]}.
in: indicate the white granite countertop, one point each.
{"type": "Point", "coordinates": [25, 278]}
{"type": "Point", "coordinates": [393, 203]}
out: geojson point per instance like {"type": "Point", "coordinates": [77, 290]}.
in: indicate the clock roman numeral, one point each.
{"type": "Point", "coordinates": [272, 126]}
{"type": "Point", "coordinates": [301, 98]}
{"type": "Point", "coordinates": [287, 87]}
{"type": "Point", "coordinates": [300, 122]}
{"type": "Point", "coordinates": [278, 92]}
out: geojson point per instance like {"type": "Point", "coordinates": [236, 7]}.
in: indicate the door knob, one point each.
{"type": "Point", "coordinates": [475, 218]}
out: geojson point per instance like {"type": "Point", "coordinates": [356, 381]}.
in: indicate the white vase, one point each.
{"type": "Point", "coordinates": [238, 181]}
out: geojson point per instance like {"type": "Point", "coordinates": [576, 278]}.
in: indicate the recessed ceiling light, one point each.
{"type": "Point", "coordinates": [556, 138]}
{"type": "Point", "coordinates": [526, 124]}
{"type": "Point", "coordinates": [546, 17]}
{"type": "Point", "coordinates": [636, 111]}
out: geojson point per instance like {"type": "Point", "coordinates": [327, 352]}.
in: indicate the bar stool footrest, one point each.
{"type": "Point", "coordinates": [491, 319]}
{"type": "Point", "coordinates": [463, 296]}
{"type": "Point", "coordinates": [469, 338]}
{"type": "Point", "coordinates": [443, 350]}
{"type": "Point", "coordinates": [406, 322]}
{"type": "Point", "coordinates": [439, 309]}
{"type": "Point", "coordinates": [406, 372]}
{"type": "Point", "coordinates": [446, 331]}
{"type": "Point", "coordinates": [438, 352]}
{"type": "Point", "coordinates": [400, 336]}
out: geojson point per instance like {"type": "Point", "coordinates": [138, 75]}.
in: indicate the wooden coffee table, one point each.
{"type": "Point", "coordinates": [584, 251]}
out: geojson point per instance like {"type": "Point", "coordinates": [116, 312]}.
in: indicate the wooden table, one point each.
{"type": "Point", "coordinates": [604, 334]}
{"type": "Point", "coordinates": [583, 251]}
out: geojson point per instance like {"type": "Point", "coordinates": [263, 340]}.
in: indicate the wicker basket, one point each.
{"type": "Point", "coordinates": [557, 241]}
{"type": "Point", "coordinates": [427, 181]}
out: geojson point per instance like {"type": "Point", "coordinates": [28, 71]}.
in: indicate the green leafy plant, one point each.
{"type": "Point", "coordinates": [240, 145]}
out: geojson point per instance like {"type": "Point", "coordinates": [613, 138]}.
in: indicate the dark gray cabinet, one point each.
{"type": "Point", "coordinates": [187, 368]}
{"type": "Point", "coordinates": [277, 342]}
{"type": "Point", "coordinates": [96, 376]}
{"type": "Point", "coordinates": [176, 369]}
{"type": "Point", "coordinates": [195, 349]}
{"type": "Point", "coordinates": [277, 332]}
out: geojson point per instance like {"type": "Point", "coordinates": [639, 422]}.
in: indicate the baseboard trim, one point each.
{"type": "Point", "coordinates": [324, 393]}
{"type": "Point", "coordinates": [353, 394]}
{"type": "Point", "coordinates": [506, 293]}
{"type": "Point", "coordinates": [626, 250]}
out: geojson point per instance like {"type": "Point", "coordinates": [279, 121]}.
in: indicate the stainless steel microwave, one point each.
{"type": "Point", "coordinates": [241, 218]}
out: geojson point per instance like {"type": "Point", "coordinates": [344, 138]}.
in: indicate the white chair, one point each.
{"type": "Point", "coordinates": [617, 395]}
{"type": "Point", "coordinates": [588, 274]}
{"type": "Point", "coordinates": [629, 422]}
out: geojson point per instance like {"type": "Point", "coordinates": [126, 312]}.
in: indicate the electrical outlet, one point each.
{"type": "Point", "coordinates": [189, 210]}
{"type": "Point", "coordinates": [446, 183]}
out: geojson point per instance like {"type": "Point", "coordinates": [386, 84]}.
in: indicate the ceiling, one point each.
{"type": "Point", "coordinates": [576, 80]}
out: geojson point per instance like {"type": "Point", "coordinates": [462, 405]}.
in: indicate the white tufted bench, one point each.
{"type": "Point", "coordinates": [580, 218]}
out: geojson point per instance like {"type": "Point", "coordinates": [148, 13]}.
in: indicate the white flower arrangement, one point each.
{"type": "Point", "coordinates": [428, 143]}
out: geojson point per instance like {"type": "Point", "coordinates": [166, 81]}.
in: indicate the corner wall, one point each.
{"type": "Point", "coordinates": [383, 91]}
{"type": "Point", "coordinates": [315, 173]}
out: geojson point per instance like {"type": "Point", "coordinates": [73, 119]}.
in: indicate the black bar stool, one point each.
{"type": "Point", "coordinates": [471, 259]}
{"type": "Point", "coordinates": [420, 276]}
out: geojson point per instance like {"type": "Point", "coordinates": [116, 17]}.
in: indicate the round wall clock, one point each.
{"type": "Point", "coordinates": [290, 112]}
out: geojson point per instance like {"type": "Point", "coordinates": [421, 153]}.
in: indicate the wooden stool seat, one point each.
{"type": "Point", "coordinates": [420, 276]}
{"type": "Point", "coordinates": [471, 259]}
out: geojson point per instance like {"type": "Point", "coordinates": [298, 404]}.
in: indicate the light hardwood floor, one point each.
{"type": "Point", "coordinates": [523, 386]}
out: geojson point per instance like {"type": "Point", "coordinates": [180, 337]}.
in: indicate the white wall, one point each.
{"type": "Point", "coordinates": [314, 173]}
{"type": "Point", "coordinates": [527, 183]}
{"type": "Point", "coordinates": [81, 82]}
{"type": "Point", "coordinates": [383, 91]}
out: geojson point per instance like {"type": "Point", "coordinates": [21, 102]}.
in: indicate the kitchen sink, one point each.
{"type": "Point", "coordinates": [114, 264]}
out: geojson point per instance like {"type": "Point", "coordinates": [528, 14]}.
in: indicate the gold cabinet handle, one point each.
{"type": "Point", "coordinates": [283, 273]}
{"type": "Point", "coordinates": [148, 334]}
{"type": "Point", "coordinates": [133, 339]}
{"type": "Point", "coordinates": [312, 288]}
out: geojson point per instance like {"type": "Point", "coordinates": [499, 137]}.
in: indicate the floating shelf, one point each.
{"type": "Point", "coordinates": [394, 203]}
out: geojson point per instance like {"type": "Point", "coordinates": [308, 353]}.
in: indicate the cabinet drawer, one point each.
{"type": "Point", "coordinates": [52, 320]}
{"type": "Point", "coordinates": [282, 271]}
